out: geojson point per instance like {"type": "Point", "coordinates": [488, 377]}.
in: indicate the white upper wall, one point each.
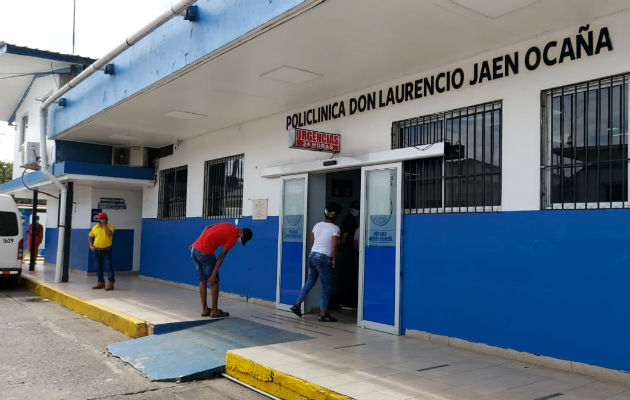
{"type": "Point", "coordinates": [41, 87]}
{"type": "Point", "coordinates": [265, 143]}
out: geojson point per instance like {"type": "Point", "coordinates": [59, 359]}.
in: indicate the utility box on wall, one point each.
{"type": "Point", "coordinates": [30, 155]}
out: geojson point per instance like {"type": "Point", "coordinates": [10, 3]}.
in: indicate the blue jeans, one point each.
{"type": "Point", "coordinates": [204, 264]}
{"type": "Point", "coordinates": [103, 258]}
{"type": "Point", "coordinates": [318, 266]}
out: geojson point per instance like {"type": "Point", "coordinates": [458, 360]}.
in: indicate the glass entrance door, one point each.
{"type": "Point", "coordinates": [291, 249]}
{"type": "Point", "coordinates": [379, 248]}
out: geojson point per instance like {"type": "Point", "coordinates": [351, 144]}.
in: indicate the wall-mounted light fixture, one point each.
{"type": "Point", "coordinates": [192, 13]}
{"type": "Point", "coordinates": [109, 69]}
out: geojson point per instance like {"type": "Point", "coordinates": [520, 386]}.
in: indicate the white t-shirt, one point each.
{"type": "Point", "coordinates": [324, 232]}
{"type": "Point", "coordinates": [356, 234]}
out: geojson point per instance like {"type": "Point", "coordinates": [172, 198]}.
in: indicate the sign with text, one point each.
{"type": "Point", "coordinates": [293, 228]}
{"type": "Point", "coordinates": [313, 140]}
{"type": "Point", "coordinates": [382, 230]}
{"type": "Point", "coordinates": [259, 209]}
{"type": "Point", "coordinates": [586, 42]}
{"type": "Point", "coordinates": [111, 203]}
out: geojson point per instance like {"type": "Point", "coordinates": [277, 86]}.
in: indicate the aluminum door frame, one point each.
{"type": "Point", "coordinates": [281, 306]}
{"type": "Point", "coordinates": [395, 329]}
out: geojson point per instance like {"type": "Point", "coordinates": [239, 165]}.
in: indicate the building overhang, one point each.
{"type": "Point", "coordinates": [93, 175]}
{"type": "Point", "coordinates": [20, 66]}
{"type": "Point", "coordinates": [309, 53]}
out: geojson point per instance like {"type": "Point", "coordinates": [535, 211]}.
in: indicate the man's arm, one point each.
{"type": "Point", "coordinates": [217, 264]}
{"type": "Point", "coordinates": [107, 231]}
{"type": "Point", "coordinates": [335, 250]}
{"type": "Point", "coordinates": [91, 241]}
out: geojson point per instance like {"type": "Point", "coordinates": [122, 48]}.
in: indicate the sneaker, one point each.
{"type": "Point", "coordinates": [296, 310]}
{"type": "Point", "coordinates": [326, 318]}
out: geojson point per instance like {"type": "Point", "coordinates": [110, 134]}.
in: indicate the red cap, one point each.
{"type": "Point", "coordinates": [101, 215]}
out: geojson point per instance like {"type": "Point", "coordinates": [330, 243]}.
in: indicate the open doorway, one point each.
{"type": "Point", "coordinates": [343, 188]}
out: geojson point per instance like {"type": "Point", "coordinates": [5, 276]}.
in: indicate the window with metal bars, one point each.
{"type": "Point", "coordinates": [468, 177]}
{"type": "Point", "coordinates": [584, 160]}
{"type": "Point", "coordinates": [223, 188]}
{"type": "Point", "coordinates": [172, 193]}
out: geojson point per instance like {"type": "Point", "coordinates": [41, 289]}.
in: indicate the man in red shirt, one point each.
{"type": "Point", "coordinates": [202, 252]}
{"type": "Point", "coordinates": [39, 233]}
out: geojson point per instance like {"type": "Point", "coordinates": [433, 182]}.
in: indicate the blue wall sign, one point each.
{"type": "Point", "coordinates": [382, 230]}
{"type": "Point", "coordinates": [293, 228]}
{"type": "Point", "coordinates": [95, 212]}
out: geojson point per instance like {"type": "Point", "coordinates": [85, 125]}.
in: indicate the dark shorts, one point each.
{"type": "Point", "coordinates": [204, 264]}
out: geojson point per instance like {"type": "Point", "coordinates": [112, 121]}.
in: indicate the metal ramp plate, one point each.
{"type": "Point", "coordinates": [197, 352]}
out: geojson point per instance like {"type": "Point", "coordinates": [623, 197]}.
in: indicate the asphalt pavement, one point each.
{"type": "Point", "coordinates": [50, 352]}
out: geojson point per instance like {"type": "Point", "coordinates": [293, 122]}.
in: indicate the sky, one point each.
{"type": "Point", "coordinates": [47, 25]}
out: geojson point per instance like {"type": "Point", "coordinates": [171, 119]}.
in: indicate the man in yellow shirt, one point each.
{"type": "Point", "coordinates": [100, 239]}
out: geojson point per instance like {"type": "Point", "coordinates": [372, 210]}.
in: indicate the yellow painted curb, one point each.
{"type": "Point", "coordinates": [130, 326]}
{"type": "Point", "coordinates": [275, 382]}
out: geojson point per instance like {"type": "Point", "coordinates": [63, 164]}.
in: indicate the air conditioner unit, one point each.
{"type": "Point", "coordinates": [134, 156]}
{"type": "Point", "coordinates": [30, 155]}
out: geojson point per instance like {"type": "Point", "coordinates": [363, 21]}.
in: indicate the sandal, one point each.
{"type": "Point", "coordinates": [220, 314]}
{"type": "Point", "coordinates": [206, 314]}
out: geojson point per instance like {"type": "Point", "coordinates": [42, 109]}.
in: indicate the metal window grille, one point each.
{"type": "Point", "coordinates": [468, 177]}
{"type": "Point", "coordinates": [172, 193]}
{"type": "Point", "coordinates": [223, 188]}
{"type": "Point", "coordinates": [584, 148]}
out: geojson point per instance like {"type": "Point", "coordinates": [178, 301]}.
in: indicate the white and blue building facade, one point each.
{"type": "Point", "coordinates": [487, 144]}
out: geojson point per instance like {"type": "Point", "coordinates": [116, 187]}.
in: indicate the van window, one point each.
{"type": "Point", "coordinates": [8, 224]}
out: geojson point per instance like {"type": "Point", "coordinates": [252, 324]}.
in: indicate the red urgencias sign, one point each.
{"type": "Point", "coordinates": [313, 140]}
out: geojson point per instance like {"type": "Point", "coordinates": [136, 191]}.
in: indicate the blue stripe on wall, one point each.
{"type": "Point", "coordinates": [554, 283]}
{"type": "Point", "coordinates": [81, 168]}
{"type": "Point", "coordinates": [80, 255]}
{"type": "Point", "coordinates": [247, 271]}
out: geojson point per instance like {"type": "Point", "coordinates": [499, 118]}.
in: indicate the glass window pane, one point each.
{"type": "Point", "coordinates": [293, 210]}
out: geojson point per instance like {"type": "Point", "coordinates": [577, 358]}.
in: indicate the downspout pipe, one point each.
{"type": "Point", "coordinates": [43, 151]}
{"type": "Point", "coordinates": [174, 10]}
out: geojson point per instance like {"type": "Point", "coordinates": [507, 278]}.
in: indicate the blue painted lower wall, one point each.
{"type": "Point", "coordinates": [554, 283]}
{"type": "Point", "coordinates": [80, 255]}
{"type": "Point", "coordinates": [247, 271]}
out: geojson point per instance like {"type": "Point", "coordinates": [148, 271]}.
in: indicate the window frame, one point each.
{"type": "Point", "coordinates": [398, 141]}
{"type": "Point", "coordinates": [547, 136]}
{"type": "Point", "coordinates": [163, 203]}
{"type": "Point", "coordinates": [223, 197]}
{"type": "Point", "coordinates": [22, 132]}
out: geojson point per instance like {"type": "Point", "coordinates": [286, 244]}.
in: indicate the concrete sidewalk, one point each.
{"type": "Point", "coordinates": [341, 361]}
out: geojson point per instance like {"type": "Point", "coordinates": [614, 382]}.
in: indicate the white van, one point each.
{"type": "Point", "coordinates": [11, 242]}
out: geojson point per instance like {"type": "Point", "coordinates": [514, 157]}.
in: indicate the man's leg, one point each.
{"type": "Point", "coordinates": [203, 294]}
{"type": "Point", "coordinates": [98, 265]}
{"type": "Point", "coordinates": [108, 261]}
{"type": "Point", "coordinates": [214, 295]}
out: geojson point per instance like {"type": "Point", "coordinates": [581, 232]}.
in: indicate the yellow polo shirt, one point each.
{"type": "Point", "coordinates": [101, 240]}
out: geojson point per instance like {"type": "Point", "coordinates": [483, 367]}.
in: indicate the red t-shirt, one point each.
{"type": "Point", "coordinates": [222, 234]}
